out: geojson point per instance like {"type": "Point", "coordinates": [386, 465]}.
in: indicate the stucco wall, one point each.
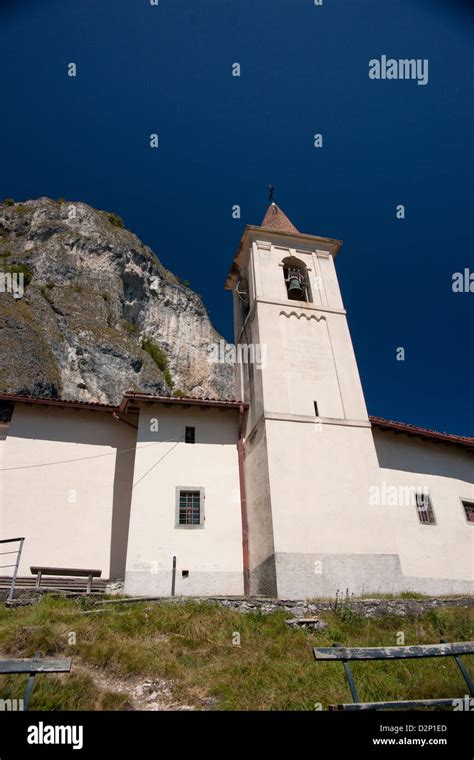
{"type": "Point", "coordinates": [443, 551]}
{"type": "Point", "coordinates": [211, 554]}
{"type": "Point", "coordinates": [71, 497]}
{"type": "Point", "coordinates": [335, 526]}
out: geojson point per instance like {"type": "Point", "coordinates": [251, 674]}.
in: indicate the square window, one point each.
{"type": "Point", "coordinates": [190, 435]}
{"type": "Point", "coordinates": [424, 509]}
{"type": "Point", "coordinates": [469, 510]}
{"type": "Point", "coordinates": [189, 508]}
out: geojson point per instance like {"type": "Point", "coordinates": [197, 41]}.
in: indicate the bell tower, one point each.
{"type": "Point", "coordinates": [309, 451]}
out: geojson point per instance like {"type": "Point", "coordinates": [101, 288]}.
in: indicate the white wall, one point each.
{"type": "Point", "coordinates": [318, 476]}
{"type": "Point", "coordinates": [72, 513]}
{"type": "Point", "coordinates": [432, 552]}
{"type": "Point", "coordinates": [212, 555]}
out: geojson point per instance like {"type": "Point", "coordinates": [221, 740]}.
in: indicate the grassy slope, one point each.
{"type": "Point", "coordinates": [191, 645]}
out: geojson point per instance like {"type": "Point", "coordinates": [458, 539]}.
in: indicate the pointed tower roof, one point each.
{"type": "Point", "coordinates": [275, 219]}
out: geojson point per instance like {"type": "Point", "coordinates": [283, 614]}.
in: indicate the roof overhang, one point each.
{"type": "Point", "coordinates": [39, 400]}
{"type": "Point", "coordinates": [419, 432]}
{"type": "Point", "coordinates": [131, 399]}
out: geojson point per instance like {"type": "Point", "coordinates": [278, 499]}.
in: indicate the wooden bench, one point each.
{"type": "Point", "coordinates": [32, 666]}
{"type": "Point", "coordinates": [344, 654]}
{"type": "Point", "coordinates": [65, 571]}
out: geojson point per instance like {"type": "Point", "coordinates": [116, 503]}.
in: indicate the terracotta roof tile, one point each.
{"type": "Point", "coordinates": [276, 219]}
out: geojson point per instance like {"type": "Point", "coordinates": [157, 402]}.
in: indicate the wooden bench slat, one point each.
{"type": "Point", "coordinates": [392, 653]}
{"type": "Point", "coordinates": [406, 704]}
{"type": "Point", "coordinates": [36, 665]}
{"type": "Point", "coordinates": [67, 571]}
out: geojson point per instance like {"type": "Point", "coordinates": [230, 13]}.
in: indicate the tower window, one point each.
{"type": "Point", "coordinates": [469, 510]}
{"type": "Point", "coordinates": [296, 279]}
{"type": "Point", "coordinates": [190, 435]}
{"type": "Point", "coordinates": [316, 408]}
{"type": "Point", "coordinates": [424, 509]}
{"type": "Point", "coordinates": [189, 508]}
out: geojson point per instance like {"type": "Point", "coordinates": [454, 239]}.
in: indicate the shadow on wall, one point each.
{"type": "Point", "coordinates": [122, 500]}
{"type": "Point", "coordinates": [403, 452]}
{"type": "Point", "coordinates": [43, 425]}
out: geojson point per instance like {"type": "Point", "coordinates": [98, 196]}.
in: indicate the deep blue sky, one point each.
{"type": "Point", "coordinates": [304, 69]}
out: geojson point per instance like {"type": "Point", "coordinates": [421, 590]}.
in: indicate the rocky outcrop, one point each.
{"type": "Point", "coordinates": [99, 314]}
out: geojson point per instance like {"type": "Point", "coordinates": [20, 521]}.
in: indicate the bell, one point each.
{"type": "Point", "coordinates": [294, 288]}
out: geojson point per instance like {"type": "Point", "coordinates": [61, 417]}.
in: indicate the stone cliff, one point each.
{"type": "Point", "coordinates": [99, 313]}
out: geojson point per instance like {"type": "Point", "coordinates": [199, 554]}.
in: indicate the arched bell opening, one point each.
{"type": "Point", "coordinates": [296, 279]}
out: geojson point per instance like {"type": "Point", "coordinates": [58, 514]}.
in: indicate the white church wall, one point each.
{"type": "Point", "coordinates": [436, 558]}
{"type": "Point", "coordinates": [261, 544]}
{"type": "Point", "coordinates": [73, 512]}
{"type": "Point", "coordinates": [211, 555]}
{"type": "Point", "coordinates": [332, 532]}
{"type": "Point", "coordinates": [349, 383]}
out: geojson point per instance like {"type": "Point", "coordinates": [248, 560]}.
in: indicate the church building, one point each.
{"type": "Point", "coordinates": [292, 491]}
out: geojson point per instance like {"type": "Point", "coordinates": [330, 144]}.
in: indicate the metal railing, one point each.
{"type": "Point", "coordinates": [16, 564]}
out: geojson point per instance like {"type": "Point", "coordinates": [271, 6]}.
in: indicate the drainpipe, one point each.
{"type": "Point", "coordinates": [243, 503]}
{"type": "Point", "coordinates": [120, 419]}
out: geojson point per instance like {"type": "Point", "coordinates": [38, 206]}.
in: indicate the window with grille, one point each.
{"type": "Point", "coordinates": [190, 435]}
{"type": "Point", "coordinates": [424, 509]}
{"type": "Point", "coordinates": [189, 507]}
{"type": "Point", "coordinates": [469, 510]}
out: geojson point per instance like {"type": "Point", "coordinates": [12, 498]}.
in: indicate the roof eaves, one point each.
{"type": "Point", "coordinates": [179, 400]}
{"type": "Point", "coordinates": [67, 403]}
{"type": "Point", "coordinates": [403, 427]}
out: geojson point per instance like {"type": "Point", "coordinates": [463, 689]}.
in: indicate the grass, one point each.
{"type": "Point", "coordinates": [191, 645]}
{"type": "Point", "coordinates": [23, 269]}
{"type": "Point", "coordinates": [129, 327]}
{"type": "Point", "coordinates": [114, 219]}
{"type": "Point", "coordinates": [159, 357]}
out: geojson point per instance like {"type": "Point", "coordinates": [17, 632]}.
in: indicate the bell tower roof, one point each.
{"type": "Point", "coordinates": [275, 227]}
{"type": "Point", "coordinates": [276, 219]}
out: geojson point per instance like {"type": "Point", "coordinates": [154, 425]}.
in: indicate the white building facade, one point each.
{"type": "Point", "coordinates": [293, 492]}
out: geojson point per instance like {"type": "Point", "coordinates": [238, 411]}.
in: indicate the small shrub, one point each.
{"type": "Point", "coordinates": [179, 393]}
{"type": "Point", "coordinates": [130, 327]}
{"type": "Point", "coordinates": [114, 219]}
{"type": "Point", "coordinates": [23, 269]}
{"type": "Point", "coordinates": [343, 607]}
{"type": "Point", "coordinates": [8, 202]}
{"type": "Point", "coordinates": [45, 291]}
{"type": "Point", "coordinates": [5, 254]}
{"type": "Point", "coordinates": [159, 357]}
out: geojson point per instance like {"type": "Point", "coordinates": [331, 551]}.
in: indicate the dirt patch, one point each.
{"type": "Point", "coordinates": [151, 694]}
